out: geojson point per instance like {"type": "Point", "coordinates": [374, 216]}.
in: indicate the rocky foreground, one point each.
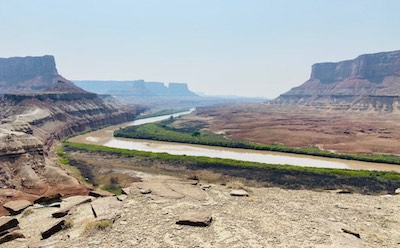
{"type": "Point", "coordinates": [164, 211]}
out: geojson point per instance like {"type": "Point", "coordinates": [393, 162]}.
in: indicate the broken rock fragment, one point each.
{"type": "Point", "coordinates": [106, 208]}
{"type": "Point", "coordinates": [11, 236]}
{"type": "Point", "coordinates": [122, 197]}
{"type": "Point", "coordinates": [16, 207]}
{"type": "Point", "coordinates": [351, 232]}
{"type": "Point", "coordinates": [239, 192]}
{"type": "Point", "coordinates": [100, 193]}
{"type": "Point", "coordinates": [72, 202]}
{"type": "Point", "coordinates": [8, 229]}
{"type": "Point", "coordinates": [7, 223]}
{"type": "Point", "coordinates": [195, 218]}
{"type": "Point", "coordinates": [145, 191]}
{"type": "Point", "coordinates": [54, 229]}
{"type": "Point", "coordinates": [126, 191]}
{"type": "Point", "coordinates": [48, 200]}
{"type": "Point", "coordinates": [343, 191]}
{"type": "Point", "coordinates": [206, 186]}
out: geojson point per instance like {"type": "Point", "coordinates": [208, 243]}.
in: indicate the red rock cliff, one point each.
{"type": "Point", "coordinates": [359, 83]}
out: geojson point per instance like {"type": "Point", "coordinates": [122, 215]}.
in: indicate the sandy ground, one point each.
{"type": "Point", "coordinates": [269, 217]}
{"type": "Point", "coordinates": [344, 132]}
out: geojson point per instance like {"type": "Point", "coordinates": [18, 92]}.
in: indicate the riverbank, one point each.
{"type": "Point", "coordinates": [193, 133]}
{"type": "Point", "coordinates": [284, 176]}
{"type": "Point", "coordinates": [105, 137]}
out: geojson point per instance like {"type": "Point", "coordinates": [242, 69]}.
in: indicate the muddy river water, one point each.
{"type": "Point", "coordinates": [105, 137]}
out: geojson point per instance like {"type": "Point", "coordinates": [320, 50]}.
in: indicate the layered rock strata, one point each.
{"type": "Point", "coordinates": [369, 82]}
{"type": "Point", "coordinates": [33, 74]}
{"type": "Point", "coordinates": [38, 107]}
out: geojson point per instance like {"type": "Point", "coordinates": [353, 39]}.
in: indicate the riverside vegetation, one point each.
{"type": "Point", "coordinates": [164, 131]}
{"type": "Point", "coordinates": [112, 182]}
{"type": "Point", "coordinates": [286, 176]}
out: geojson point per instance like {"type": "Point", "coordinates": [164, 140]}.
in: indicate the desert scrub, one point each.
{"type": "Point", "coordinates": [236, 184]}
{"type": "Point", "coordinates": [68, 223]}
{"type": "Point", "coordinates": [64, 161]}
{"type": "Point", "coordinates": [97, 225]}
{"type": "Point", "coordinates": [113, 181]}
{"type": "Point", "coordinates": [205, 175]}
{"type": "Point", "coordinates": [27, 212]}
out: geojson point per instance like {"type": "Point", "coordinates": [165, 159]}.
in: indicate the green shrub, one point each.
{"type": "Point", "coordinates": [230, 162]}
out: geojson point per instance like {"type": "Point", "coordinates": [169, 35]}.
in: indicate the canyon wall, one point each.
{"type": "Point", "coordinates": [369, 82]}
{"type": "Point", "coordinates": [38, 107]}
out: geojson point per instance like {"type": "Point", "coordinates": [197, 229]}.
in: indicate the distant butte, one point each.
{"type": "Point", "coordinates": [33, 75]}
{"type": "Point", "coordinates": [137, 88]}
{"type": "Point", "coordinates": [370, 81]}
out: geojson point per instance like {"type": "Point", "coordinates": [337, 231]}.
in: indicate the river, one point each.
{"type": "Point", "coordinates": [105, 137]}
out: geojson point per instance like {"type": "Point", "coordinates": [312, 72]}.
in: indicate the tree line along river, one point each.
{"type": "Point", "coordinates": [105, 137]}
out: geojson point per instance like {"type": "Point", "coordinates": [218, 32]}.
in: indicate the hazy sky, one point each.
{"type": "Point", "coordinates": [251, 48]}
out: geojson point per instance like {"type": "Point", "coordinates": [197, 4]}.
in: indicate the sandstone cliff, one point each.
{"type": "Point", "coordinates": [38, 107]}
{"type": "Point", "coordinates": [369, 82]}
{"type": "Point", "coordinates": [33, 74]}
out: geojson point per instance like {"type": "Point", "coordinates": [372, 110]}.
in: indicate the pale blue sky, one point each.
{"type": "Point", "coordinates": [251, 48]}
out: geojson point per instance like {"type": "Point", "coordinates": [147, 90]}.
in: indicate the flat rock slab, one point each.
{"type": "Point", "coordinates": [239, 192]}
{"type": "Point", "coordinates": [75, 200]}
{"type": "Point", "coordinates": [343, 191]}
{"type": "Point", "coordinates": [126, 191]}
{"type": "Point", "coordinates": [206, 186]}
{"type": "Point", "coordinates": [70, 204]}
{"type": "Point", "coordinates": [7, 223]}
{"type": "Point", "coordinates": [195, 218]}
{"type": "Point", "coordinates": [188, 190]}
{"type": "Point", "coordinates": [351, 232]}
{"type": "Point", "coordinates": [100, 193]}
{"type": "Point", "coordinates": [16, 207]}
{"type": "Point", "coordinates": [106, 208]}
{"type": "Point", "coordinates": [397, 191]}
{"type": "Point", "coordinates": [158, 188]}
{"type": "Point", "coordinates": [122, 197]}
{"type": "Point", "coordinates": [54, 205]}
{"type": "Point", "coordinates": [61, 213]}
{"type": "Point", "coordinates": [11, 236]}
{"type": "Point", "coordinates": [47, 200]}
{"type": "Point", "coordinates": [54, 229]}
{"type": "Point", "coordinates": [8, 231]}
{"type": "Point", "coordinates": [145, 191]}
